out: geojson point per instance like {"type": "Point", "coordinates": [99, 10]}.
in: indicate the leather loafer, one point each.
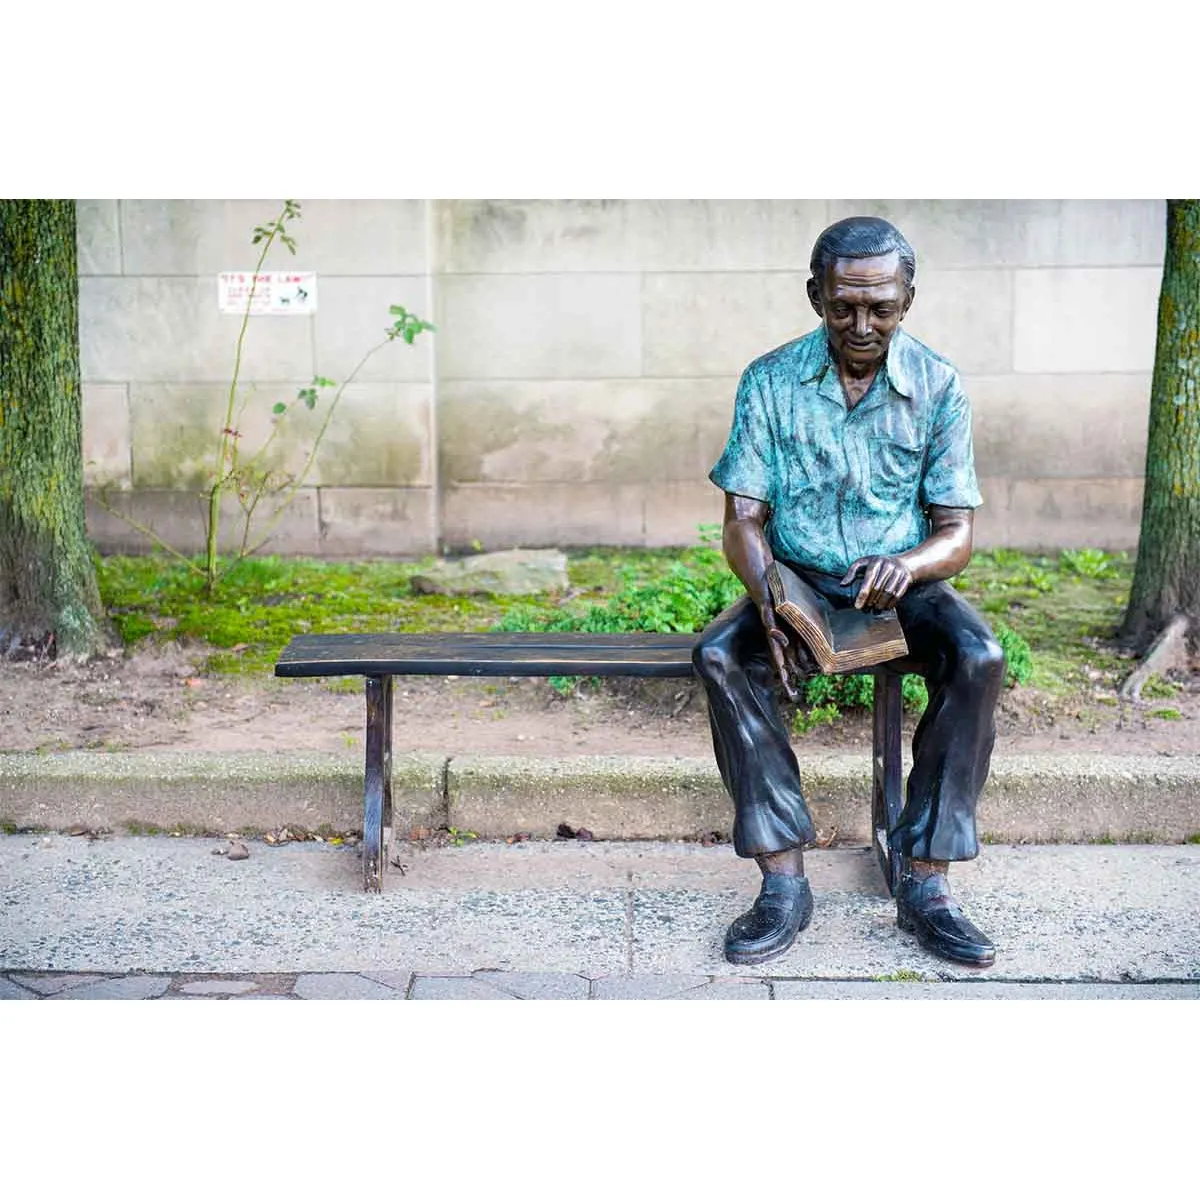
{"type": "Point", "coordinates": [926, 908]}
{"type": "Point", "coordinates": [783, 908]}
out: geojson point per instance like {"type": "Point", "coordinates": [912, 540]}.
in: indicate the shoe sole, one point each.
{"type": "Point", "coordinates": [755, 958]}
{"type": "Point", "coordinates": [908, 926]}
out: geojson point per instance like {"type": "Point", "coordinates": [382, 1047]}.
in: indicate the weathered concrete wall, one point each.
{"type": "Point", "coordinates": [580, 385]}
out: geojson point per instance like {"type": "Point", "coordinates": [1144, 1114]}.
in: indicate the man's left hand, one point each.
{"type": "Point", "coordinates": [885, 580]}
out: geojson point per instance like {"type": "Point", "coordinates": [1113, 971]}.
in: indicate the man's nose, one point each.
{"type": "Point", "coordinates": [862, 322]}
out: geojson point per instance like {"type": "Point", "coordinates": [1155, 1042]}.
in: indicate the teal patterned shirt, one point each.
{"type": "Point", "coordinates": [842, 484]}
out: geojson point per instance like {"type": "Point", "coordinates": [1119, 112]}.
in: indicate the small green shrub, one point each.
{"type": "Point", "coordinates": [1034, 578]}
{"type": "Point", "coordinates": [693, 591]}
{"type": "Point", "coordinates": [807, 720]}
{"type": "Point", "coordinates": [1017, 654]}
{"type": "Point", "coordinates": [914, 693]}
{"type": "Point", "coordinates": [1091, 564]}
{"type": "Point", "coordinates": [842, 691]}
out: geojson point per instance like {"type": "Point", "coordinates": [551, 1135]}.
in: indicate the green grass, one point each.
{"type": "Point", "coordinates": [1054, 614]}
{"type": "Point", "coordinates": [1068, 626]}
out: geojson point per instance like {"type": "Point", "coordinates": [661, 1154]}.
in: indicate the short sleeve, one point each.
{"type": "Point", "coordinates": [949, 478]}
{"type": "Point", "coordinates": [747, 466]}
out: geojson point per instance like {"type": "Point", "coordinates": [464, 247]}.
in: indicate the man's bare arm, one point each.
{"type": "Point", "coordinates": [944, 553]}
{"type": "Point", "coordinates": [744, 541]}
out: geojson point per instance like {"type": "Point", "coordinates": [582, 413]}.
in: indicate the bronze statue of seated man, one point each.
{"type": "Point", "coordinates": [850, 459]}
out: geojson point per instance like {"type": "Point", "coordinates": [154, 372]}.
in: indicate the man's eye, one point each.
{"type": "Point", "coordinates": [884, 311]}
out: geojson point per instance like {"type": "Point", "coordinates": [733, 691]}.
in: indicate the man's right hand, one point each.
{"type": "Point", "coordinates": [782, 647]}
{"type": "Point", "coordinates": [749, 557]}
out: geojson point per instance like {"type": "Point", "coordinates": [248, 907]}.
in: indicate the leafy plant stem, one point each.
{"type": "Point", "coordinates": [290, 493]}
{"type": "Point", "coordinates": [227, 445]}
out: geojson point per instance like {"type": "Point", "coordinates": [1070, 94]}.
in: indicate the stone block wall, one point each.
{"type": "Point", "coordinates": [581, 381]}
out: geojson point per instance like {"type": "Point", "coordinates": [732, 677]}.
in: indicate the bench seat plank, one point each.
{"type": "Point", "coordinates": [650, 654]}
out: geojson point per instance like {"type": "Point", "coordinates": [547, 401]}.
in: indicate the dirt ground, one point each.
{"type": "Point", "coordinates": [160, 698]}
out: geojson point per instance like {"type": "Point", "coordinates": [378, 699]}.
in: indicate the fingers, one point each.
{"type": "Point", "coordinates": [859, 564]}
{"type": "Point", "coordinates": [885, 582]}
{"type": "Point", "coordinates": [783, 658]}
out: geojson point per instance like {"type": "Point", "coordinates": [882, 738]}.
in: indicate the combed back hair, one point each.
{"type": "Point", "coordinates": [862, 237]}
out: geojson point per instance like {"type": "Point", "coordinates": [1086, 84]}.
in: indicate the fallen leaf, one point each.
{"type": "Point", "coordinates": [564, 831]}
{"type": "Point", "coordinates": [585, 835]}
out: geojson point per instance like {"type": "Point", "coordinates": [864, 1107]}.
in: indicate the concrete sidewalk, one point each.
{"type": "Point", "coordinates": [163, 916]}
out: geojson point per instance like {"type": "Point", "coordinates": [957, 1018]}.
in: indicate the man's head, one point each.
{"type": "Point", "coordinates": [861, 287]}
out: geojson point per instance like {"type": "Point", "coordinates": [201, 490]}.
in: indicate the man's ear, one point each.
{"type": "Point", "coordinates": [912, 295]}
{"type": "Point", "coordinates": [814, 297]}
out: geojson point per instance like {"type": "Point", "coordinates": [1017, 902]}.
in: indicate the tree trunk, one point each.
{"type": "Point", "coordinates": [1166, 580]}
{"type": "Point", "coordinates": [49, 602]}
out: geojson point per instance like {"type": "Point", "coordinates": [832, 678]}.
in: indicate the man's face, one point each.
{"type": "Point", "coordinates": [862, 302]}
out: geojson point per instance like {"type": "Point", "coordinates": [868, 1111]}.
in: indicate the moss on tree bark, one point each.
{"type": "Point", "coordinates": [1167, 576]}
{"type": "Point", "coordinates": [49, 602]}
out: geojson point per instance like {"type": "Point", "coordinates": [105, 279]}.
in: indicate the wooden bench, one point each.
{"type": "Point", "coordinates": [382, 656]}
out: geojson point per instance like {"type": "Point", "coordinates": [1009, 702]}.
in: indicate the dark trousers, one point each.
{"type": "Point", "coordinates": [963, 665]}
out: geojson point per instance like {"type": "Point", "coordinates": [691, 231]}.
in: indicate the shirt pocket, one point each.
{"type": "Point", "coordinates": [895, 467]}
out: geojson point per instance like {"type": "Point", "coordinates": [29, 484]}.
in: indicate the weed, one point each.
{"type": "Point", "coordinates": [914, 693]}
{"type": "Point", "coordinates": [1017, 655]}
{"type": "Point", "coordinates": [820, 714]}
{"type": "Point", "coordinates": [1004, 560]}
{"type": "Point", "coordinates": [1192, 839]}
{"type": "Point", "coordinates": [1035, 578]}
{"type": "Point", "coordinates": [345, 686]}
{"type": "Point", "coordinates": [1158, 688]}
{"type": "Point", "coordinates": [1091, 564]}
{"type": "Point", "coordinates": [460, 837]}
{"type": "Point", "coordinates": [1166, 714]}
{"type": "Point", "coordinates": [143, 829]}
{"type": "Point", "coordinates": [901, 976]}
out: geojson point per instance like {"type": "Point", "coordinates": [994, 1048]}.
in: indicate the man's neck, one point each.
{"type": "Point", "coordinates": [856, 380]}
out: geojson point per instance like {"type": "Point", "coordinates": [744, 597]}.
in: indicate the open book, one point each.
{"type": "Point", "coordinates": [840, 639]}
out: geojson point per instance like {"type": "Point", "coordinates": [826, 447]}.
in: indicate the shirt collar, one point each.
{"type": "Point", "coordinates": [899, 364]}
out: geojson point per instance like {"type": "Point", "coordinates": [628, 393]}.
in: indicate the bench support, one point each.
{"type": "Point", "coordinates": [377, 808]}
{"type": "Point", "coordinates": [887, 774]}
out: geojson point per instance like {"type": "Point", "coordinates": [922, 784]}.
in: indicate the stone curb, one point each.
{"type": "Point", "coordinates": [1029, 798]}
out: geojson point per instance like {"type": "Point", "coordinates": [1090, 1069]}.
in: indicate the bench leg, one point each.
{"type": "Point", "coordinates": [377, 803]}
{"type": "Point", "coordinates": [887, 782]}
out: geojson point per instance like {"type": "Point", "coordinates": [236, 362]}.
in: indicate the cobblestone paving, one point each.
{"type": "Point", "coordinates": [523, 985]}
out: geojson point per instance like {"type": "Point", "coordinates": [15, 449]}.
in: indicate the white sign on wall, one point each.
{"type": "Point", "coordinates": [276, 293]}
